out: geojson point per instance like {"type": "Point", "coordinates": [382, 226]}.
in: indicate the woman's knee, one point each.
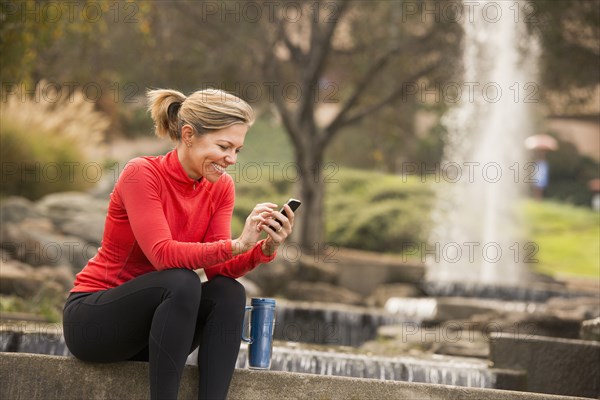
{"type": "Point", "coordinates": [226, 290]}
{"type": "Point", "coordinates": [183, 283]}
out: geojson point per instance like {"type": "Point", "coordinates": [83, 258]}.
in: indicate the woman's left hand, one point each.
{"type": "Point", "coordinates": [277, 233]}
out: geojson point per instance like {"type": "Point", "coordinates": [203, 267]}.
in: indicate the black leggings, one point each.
{"type": "Point", "coordinates": [161, 317]}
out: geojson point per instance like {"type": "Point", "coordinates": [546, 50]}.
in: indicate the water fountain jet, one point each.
{"type": "Point", "coordinates": [477, 236]}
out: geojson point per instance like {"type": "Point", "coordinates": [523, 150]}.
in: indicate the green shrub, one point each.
{"type": "Point", "coordinates": [46, 143]}
{"type": "Point", "coordinates": [569, 173]}
{"type": "Point", "coordinates": [363, 210]}
{"type": "Point", "coordinates": [37, 163]}
{"type": "Point", "coordinates": [134, 121]}
{"type": "Point", "coordinates": [376, 212]}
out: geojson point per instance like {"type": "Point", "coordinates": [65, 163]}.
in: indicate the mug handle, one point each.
{"type": "Point", "coordinates": [245, 326]}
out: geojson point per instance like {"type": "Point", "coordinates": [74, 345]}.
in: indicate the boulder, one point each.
{"type": "Point", "coordinates": [87, 227]}
{"type": "Point", "coordinates": [76, 214]}
{"type": "Point", "coordinates": [15, 209]}
{"type": "Point", "coordinates": [272, 277]}
{"type": "Point", "coordinates": [25, 281]}
{"type": "Point", "coordinates": [68, 204]}
{"type": "Point", "coordinates": [62, 275]}
{"type": "Point", "coordinates": [35, 242]}
{"type": "Point", "coordinates": [382, 269]}
{"type": "Point", "coordinates": [317, 270]}
{"type": "Point", "coordinates": [17, 278]}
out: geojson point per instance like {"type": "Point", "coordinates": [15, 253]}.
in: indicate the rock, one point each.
{"type": "Point", "coordinates": [23, 280]}
{"type": "Point", "coordinates": [17, 278]}
{"type": "Point", "coordinates": [322, 292]}
{"type": "Point", "coordinates": [61, 274]}
{"type": "Point", "coordinates": [16, 209]}
{"type": "Point", "coordinates": [590, 330]}
{"type": "Point", "coordinates": [71, 203]}
{"type": "Point", "coordinates": [384, 292]}
{"type": "Point", "coordinates": [35, 242]}
{"type": "Point", "coordinates": [87, 227]}
{"type": "Point", "coordinates": [76, 214]}
{"type": "Point", "coordinates": [252, 289]}
{"type": "Point", "coordinates": [317, 270]}
{"type": "Point", "coordinates": [272, 277]}
{"type": "Point", "coordinates": [581, 308]}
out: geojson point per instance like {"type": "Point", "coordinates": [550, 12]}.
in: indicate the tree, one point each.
{"type": "Point", "coordinates": [359, 58]}
{"type": "Point", "coordinates": [569, 34]}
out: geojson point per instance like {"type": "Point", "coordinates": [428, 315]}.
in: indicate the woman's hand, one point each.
{"type": "Point", "coordinates": [277, 232]}
{"type": "Point", "coordinates": [252, 228]}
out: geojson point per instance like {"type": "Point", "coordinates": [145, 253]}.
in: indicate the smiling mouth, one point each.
{"type": "Point", "coordinates": [218, 168]}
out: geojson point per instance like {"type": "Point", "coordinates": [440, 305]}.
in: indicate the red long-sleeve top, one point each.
{"type": "Point", "coordinates": [159, 218]}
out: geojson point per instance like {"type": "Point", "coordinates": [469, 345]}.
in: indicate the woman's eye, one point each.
{"type": "Point", "coordinates": [223, 147]}
{"type": "Point", "coordinates": [238, 151]}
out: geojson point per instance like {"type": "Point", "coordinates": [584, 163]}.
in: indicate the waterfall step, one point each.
{"type": "Point", "coordinates": [536, 292]}
{"type": "Point", "coordinates": [44, 377]}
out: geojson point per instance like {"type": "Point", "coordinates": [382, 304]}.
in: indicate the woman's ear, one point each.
{"type": "Point", "coordinates": [187, 133]}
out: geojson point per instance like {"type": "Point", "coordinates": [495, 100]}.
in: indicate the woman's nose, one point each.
{"type": "Point", "coordinates": [231, 159]}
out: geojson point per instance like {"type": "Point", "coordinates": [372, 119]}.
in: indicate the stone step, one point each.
{"type": "Point", "coordinates": [43, 377]}
{"type": "Point", "coordinates": [553, 365]}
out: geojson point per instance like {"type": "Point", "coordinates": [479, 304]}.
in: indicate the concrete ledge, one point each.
{"type": "Point", "coordinates": [37, 377]}
{"type": "Point", "coordinates": [553, 365]}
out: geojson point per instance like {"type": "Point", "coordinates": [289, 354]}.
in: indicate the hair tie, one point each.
{"type": "Point", "coordinates": [173, 109]}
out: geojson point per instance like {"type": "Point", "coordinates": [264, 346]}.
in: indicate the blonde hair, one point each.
{"type": "Point", "coordinates": [205, 110]}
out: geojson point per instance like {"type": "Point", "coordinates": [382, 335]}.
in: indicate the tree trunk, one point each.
{"type": "Point", "coordinates": [311, 191]}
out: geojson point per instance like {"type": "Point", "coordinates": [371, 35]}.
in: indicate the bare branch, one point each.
{"type": "Point", "coordinates": [389, 99]}
{"type": "Point", "coordinates": [362, 85]}
{"type": "Point", "coordinates": [270, 67]}
{"type": "Point", "coordinates": [320, 46]}
{"type": "Point", "coordinates": [372, 71]}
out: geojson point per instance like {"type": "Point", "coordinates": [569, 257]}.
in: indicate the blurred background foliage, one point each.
{"type": "Point", "coordinates": [115, 50]}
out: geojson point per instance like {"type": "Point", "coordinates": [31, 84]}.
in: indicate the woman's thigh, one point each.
{"type": "Point", "coordinates": [114, 324]}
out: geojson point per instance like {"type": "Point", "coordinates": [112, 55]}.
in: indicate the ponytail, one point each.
{"type": "Point", "coordinates": [164, 105]}
{"type": "Point", "coordinates": [205, 110]}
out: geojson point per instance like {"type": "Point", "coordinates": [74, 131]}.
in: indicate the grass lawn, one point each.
{"type": "Point", "coordinates": [568, 238]}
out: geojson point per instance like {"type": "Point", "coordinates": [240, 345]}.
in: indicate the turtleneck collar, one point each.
{"type": "Point", "coordinates": [177, 174]}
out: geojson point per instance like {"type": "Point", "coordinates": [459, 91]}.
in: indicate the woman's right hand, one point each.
{"type": "Point", "coordinates": [252, 232]}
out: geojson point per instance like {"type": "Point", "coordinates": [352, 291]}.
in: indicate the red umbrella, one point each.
{"type": "Point", "coordinates": [541, 142]}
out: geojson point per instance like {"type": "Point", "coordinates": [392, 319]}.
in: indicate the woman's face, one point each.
{"type": "Point", "coordinates": [208, 155]}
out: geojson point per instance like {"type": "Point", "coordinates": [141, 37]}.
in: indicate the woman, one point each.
{"type": "Point", "coordinates": [139, 298]}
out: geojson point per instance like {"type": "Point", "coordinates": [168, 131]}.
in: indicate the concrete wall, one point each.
{"type": "Point", "coordinates": [553, 365]}
{"type": "Point", "coordinates": [383, 269]}
{"type": "Point", "coordinates": [42, 377]}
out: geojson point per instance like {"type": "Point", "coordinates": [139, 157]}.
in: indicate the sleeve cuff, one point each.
{"type": "Point", "coordinates": [263, 258]}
